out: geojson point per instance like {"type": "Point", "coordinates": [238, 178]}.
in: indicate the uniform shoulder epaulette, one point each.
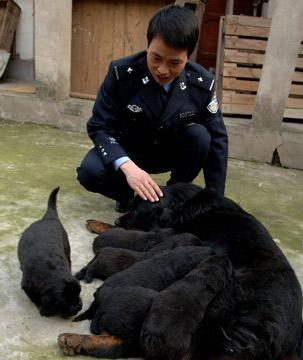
{"type": "Point", "coordinates": [130, 66]}
{"type": "Point", "coordinates": [199, 76]}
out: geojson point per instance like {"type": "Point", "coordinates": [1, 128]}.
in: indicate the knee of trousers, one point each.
{"type": "Point", "coordinates": [88, 178]}
{"type": "Point", "coordinates": [197, 137]}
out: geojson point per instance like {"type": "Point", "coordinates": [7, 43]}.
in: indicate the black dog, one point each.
{"type": "Point", "coordinates": [137, 240]}
{"type": "Point", "coordinates": [110, 260]}
{"type": "Point", "coordinates": [257, 316]}
{"type": "Point", "coordinates": [44, 255]}
{"type": "Point", "coordinates": [122, 302]}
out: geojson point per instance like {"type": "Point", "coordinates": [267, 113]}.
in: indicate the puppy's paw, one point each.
{"type": "Point", "coordinates": [97, 227]}
{"type": "Point", "coordinates": [102, 345]}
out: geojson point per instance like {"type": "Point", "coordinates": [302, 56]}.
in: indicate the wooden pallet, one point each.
{"type": "Point", "coordinates": [241, 54]}
{"type": "Point", "coordinates": [9, 16]}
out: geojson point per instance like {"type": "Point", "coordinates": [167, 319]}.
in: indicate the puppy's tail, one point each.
{"type": "Point", "coordinates": [52, 205]}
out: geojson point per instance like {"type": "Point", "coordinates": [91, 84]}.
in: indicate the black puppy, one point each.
{"type": "Point", "coordinates": [113, 312]}
{"type": "Point", "coordinates": [258, 316]}
{"type": "Point", "coordinates": [44, 255]}
{"type": "Point", "coordinates": [137, 240]}
{"type": "Point", "coordinates": [110, 260]}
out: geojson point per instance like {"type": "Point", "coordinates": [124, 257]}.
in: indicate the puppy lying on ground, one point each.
{"type": "Point", "coordinates": [137, 240]}
{"type": "Point", "coordinates": [110, 260]}
{"type": "Point", "coordinates": [44, 255]}
{"type": "Point", "coordinates": [122, 302]}
{"type": "Point", "coordinates": [257, 316]}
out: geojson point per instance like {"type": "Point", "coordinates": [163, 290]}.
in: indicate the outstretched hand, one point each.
{"type": "Point", "coordinates": [141, 182]}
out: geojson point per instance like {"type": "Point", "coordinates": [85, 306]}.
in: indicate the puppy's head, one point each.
{"type": "Point", "coordinates": [62, 300]}
{"type": "Point", "coordinates": [145, 215]}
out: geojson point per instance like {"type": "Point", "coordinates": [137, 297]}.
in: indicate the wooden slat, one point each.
{"type": "Point", "coordinates": [240, 57]}
{"type": "Point", "coordinates": [296, 103]}
{"type": "Point", "coordinates": [248, 21]}
{"type": "Point", "coordinates": [296, 89]}
{"type": "Point", "coordinates": [240, 85]}
{"type": "Point", "coordinates": [245, 85]}
{"type": "Point", "coordinates": [8, 25]}
{"type": "Point", "coordinates": [248, 110]}
{"type": "Point", "coordinates": [250, 31]}
{"type": "Point", "coordinates": [237, 109]}
{"type": "Point", "coordinates": [232, 97]}
{"type": "Point", "coordinates": [234, 42]}
{"type": "Point", "coordinates": [293, 113]}
{"type": "Point", "coordinates": [299, 63]}
{"type": "Point", "coordinates": [232, 70]}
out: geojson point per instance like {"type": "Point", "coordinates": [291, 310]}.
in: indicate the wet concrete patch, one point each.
{"type": "Point", "coordinates": [35, 159]}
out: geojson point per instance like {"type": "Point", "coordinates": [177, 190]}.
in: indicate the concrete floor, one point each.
{"type": "Point", "coordinates": [34, 159]}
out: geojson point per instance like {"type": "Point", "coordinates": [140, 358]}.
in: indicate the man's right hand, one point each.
{"type": "Point", "coordinates": [141, 182]}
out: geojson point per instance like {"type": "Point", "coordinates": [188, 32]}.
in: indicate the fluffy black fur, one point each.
{"type": "Point", "coordinates": [137, 240]}
{"type": "Point", "coordinates": [122, 302]}
{"type": "Point", "coordinates": [110, 260]}
{"type": "Point", "coordinates": [257, 316]}
{"type": "Point", "coordinates": [44, 255]}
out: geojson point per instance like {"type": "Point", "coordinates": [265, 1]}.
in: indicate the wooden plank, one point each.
{"type": "Point", "coordinates": [296, 103]}
{"type": "Point", "coordinates": [241, 72]}
{"type": "Point", "coordinates": [119, 15]}
{"type": "Point", "coordinates": [240, 85]}
{"type": "Point", "coordinates": [248, 21]}
{"type": "Point", "coordinates": [232, 70]}
{"type": "Point", "coordinates": [296, 89]}
{"type": "Point", "coordinates": [299, 63]}
{"type": "Point", "coordinates": [234, 42]}
{"type": "Point", "coordinates": [232, 97]}
{"type": "Point", "coordinates": [250, 31]}
{"type": "Point", "coordinates": [8, 25]}
{"type": "Point", "coordinates": [220, 58]}
{"type": "Point", "coordinates": [244, 85]}
{"type": "Point", "coordinates": [240, 57]}
{"type": "Point", "coordinates": [237, 109]}
{"type": "Point", "coordinates": [293, 113]}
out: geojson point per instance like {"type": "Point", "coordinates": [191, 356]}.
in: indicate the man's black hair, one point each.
{"type": "Point", "coordinates": [177, 26]}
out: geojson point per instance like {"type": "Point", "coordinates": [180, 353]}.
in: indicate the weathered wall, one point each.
{"type": "Point", "coordinates": [53, 47]}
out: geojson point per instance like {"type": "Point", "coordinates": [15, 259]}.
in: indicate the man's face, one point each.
{"type": "Point", "coordinates": [165, 63]}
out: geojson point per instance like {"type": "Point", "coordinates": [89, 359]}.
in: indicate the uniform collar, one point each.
{"type": "Point", "coordinates": [149, 93]}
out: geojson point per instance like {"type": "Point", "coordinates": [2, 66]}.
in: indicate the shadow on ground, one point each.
{"type": "Point", "coordinates": [35, 159]}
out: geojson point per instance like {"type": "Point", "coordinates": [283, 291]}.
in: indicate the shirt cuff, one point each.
{"type": "Point", "coordinates": [118, 162]}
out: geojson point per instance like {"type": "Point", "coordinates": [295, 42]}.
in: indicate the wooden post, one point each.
{"type": "Point", "coordinates": [199, 7]}
{"type": "Point", "coordinates": [220, 58]}
{"type": "Point", "coordinates": [229, 7]}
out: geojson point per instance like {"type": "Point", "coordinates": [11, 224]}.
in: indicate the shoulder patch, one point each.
{"type": "Point", "coordinates": [127, 72]}
{"type": "Point", "coordinates": [201, 80]}
{"type": "Point", "coordinates": [213, 106]}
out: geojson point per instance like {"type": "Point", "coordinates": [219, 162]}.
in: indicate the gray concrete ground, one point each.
{"type": "Point", "coordinates": [34, 159]}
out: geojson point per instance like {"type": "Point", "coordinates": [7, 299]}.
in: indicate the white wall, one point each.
{"type": "Point", "coordinates": [25, 30]}
{"type": "Point", "coordinates": [267, 9]}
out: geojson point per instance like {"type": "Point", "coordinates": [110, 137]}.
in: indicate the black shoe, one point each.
{"type": "Point", "coordinates": [123, 207]}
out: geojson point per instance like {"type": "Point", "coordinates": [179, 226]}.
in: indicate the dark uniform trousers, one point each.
{"type": "Point", "coordinates": [184, 156]}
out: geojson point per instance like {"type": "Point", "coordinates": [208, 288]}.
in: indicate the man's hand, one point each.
{"type": "Point", "coordinates": [141, 182]}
